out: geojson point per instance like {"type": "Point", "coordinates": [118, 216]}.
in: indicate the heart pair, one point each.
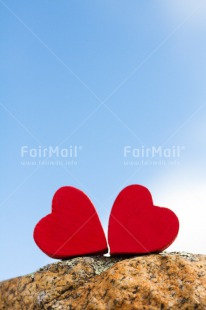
{"type": "Point", "coordinates": [136, 226]}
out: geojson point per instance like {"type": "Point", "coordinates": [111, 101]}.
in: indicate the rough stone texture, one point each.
{"type": "Point", "coordinates": [158, 281]}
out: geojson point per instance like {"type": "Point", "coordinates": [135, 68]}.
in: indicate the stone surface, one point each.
{"type": "Point", "coordinates": [157, 281]}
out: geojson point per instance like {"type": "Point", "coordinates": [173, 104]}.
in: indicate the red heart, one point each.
{"type": "Point", "coordinates": [136, 226]}
{"type": "Point", "coordinates": [72, 229]}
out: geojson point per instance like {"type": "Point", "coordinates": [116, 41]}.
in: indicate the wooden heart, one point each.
{"type": "Point", "coordinates": [72, 229]}
{"type": "Point", "coordinates": [136, 226]}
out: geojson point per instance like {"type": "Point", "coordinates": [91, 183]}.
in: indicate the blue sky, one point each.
{"type": "Point", "coordinates": [100, 75]}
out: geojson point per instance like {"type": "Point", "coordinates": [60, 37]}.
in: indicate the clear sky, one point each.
{"type": "Point", "coordinates": [111, 79]}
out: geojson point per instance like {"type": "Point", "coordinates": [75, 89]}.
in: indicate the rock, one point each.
{"type": "Point", "coordinates": [157, 281]}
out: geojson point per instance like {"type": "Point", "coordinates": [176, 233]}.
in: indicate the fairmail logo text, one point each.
{"type": "Point", "coordinates": [153, 152]}
{"type": "Point", "coordinates": [50, 152]}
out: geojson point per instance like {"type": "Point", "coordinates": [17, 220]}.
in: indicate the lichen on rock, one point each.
{"type": "Point", "coordinates": [158, 281]}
